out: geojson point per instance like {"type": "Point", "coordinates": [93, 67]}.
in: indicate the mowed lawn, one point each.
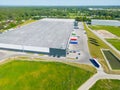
{"type": "Point", "coordinates": [112, 29]}
{"type": "Point", "coordinates": [115, 43]}
{"type": "Point", "coordinates": [31, 75]}
{"type": "Point", "coordinates": [107, 84]}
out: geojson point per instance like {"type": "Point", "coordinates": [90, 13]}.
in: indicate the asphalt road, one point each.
{"type": "Point", "coordinates": [83, 46]}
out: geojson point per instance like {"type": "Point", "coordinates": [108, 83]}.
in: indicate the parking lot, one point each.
{"type": "Point", "coordinates": [80, 51]}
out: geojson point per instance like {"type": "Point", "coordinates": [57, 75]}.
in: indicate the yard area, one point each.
{"type": "Point", "coordinates": [32, 75]}
{"type": "Point", "coordinates": [114, 30]}
{"type": "Point", "coordinates": [106, 84]}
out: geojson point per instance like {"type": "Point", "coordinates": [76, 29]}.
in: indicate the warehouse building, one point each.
{"type": "Point", "coordinates": [105, 22]}
{"type": "Point", "coordinates": [48, 36]}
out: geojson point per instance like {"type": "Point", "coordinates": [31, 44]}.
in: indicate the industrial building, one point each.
{"type": "Point", "coordinates": [48, 36]}
{"type": "Point", "coordinates": [105, 22]}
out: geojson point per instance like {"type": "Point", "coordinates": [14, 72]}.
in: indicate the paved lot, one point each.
{"type": "Point", "coordinates": [5, 54]}
{"type": "Point", "coordinates": [2, 54]}
{"type": "Point", "coordinates": [82, 47]}
{"type": "Point", "coordinates": [106, 34]}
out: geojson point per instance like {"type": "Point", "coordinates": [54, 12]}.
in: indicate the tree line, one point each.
{"type": "Point", "coordinates": [12, 16]}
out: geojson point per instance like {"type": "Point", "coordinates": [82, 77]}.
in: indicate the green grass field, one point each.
{"type": "Point", "coordinates": [115, 43]}
{"type": "Point", "coordinates": [112, 59]}
{"type": "Point", "coordinates": [112, 29]}
{"type": "Point", "coordinates": [107, 84]}
{"type": "Point", "coordinates": [31, 75]}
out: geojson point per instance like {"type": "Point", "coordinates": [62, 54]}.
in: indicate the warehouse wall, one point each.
{"type": "Point", "coordinates": [57, 52]}
{"type": "Point", "coordinates": [50, 51]}
{"type": "Point", "coordinates": [24, 48]}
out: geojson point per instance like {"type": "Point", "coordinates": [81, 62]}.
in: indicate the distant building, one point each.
{"type": "Point", "coordinates": [105, 22]}
{"type": "Point", "coordinates": [95, 8]}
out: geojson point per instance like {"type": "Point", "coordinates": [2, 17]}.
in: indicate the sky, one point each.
{"type": "Point", "coordinates": [59, 2]}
